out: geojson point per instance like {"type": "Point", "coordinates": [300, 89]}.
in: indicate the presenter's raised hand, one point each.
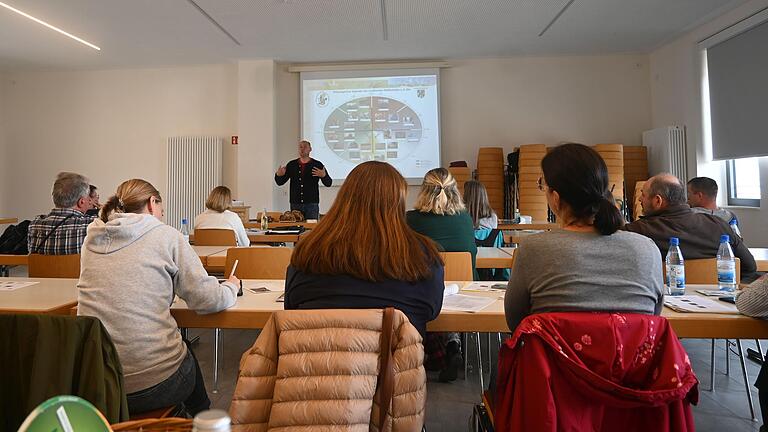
{"type": "Point", "coordinates": [281, 171]}
{"type": "Point", "coordinates": [318, 172]}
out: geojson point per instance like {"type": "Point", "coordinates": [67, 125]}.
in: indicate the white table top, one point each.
{"type": "Point", "coordinates": [46, 296]}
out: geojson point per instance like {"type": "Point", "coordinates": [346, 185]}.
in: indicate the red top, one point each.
{"type": "Point", "coordinates": [302, 165]}
{"type": "Point", "coordinates": [589, 371]}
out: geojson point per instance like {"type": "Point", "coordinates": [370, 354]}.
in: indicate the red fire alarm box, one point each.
{"type": "Point", "coordinates": [234, 139]}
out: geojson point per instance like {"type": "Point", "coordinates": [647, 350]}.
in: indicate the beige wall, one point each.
{"type": "Point", "coordinates": [3, 156]}
{"type": "Point", "coordinates": [676, 76]}
{"type": "Point", "coordinates": [513, 101]}
{"type": "Point", "coordinates": [108, 125]}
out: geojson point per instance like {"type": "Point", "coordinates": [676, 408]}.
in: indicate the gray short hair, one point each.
{"type": "Point", "coordinates": [69, 188]}
{"type": "Point", "coordinates": [668, 187]}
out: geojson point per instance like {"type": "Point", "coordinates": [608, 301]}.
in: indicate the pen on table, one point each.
{"type": "Point", "coordinates": [234, 267]}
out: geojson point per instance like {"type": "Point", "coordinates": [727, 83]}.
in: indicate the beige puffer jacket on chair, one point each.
{"type": "Point", "coordinates": [317, 370]}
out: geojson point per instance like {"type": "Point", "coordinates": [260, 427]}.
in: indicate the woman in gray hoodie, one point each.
{"type": "Point", "coordinates": [132, 265]}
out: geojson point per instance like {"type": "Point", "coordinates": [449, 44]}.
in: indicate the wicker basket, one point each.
{"type": "Point", "coordinates": [170, 424]}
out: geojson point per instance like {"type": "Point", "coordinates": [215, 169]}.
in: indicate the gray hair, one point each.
{"type": "Point", "coordinates": [69, 188]}
{"type": "Point", "coordinates": [669, 188]}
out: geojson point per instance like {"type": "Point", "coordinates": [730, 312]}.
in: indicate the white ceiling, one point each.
{"type": "Point", "coordinates": [135, 33]}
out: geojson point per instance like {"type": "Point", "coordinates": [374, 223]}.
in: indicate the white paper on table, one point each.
{"type": "Point", "coordinates": [270, 285]}
{"type": "Point", "coordinates": [466, 303]}
{"type": "Point", "coordinates": [716, 293]}
{"type": "Point", "coordinates": [451, 289]}
{"type": "Point", "coordinates": [14, 285]}
{"type": "Point", "coordinates": [486, 286]}
{"type": "Point", "coordinates": [695, 303]}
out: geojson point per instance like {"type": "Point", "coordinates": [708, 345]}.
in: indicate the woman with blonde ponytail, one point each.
{"type": "Point", "coordinates": [439, 214]}
{"type": "Point", "coordinates": [132, 267]}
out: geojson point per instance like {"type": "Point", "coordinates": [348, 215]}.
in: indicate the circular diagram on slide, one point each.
{"type": "Point", "coordinates": [372, 128]}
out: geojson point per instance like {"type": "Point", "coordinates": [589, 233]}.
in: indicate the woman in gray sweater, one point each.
{"type": "Point", "coordinates": [132, 266]}
{"type": "Point", "coordinates": [587, 265]}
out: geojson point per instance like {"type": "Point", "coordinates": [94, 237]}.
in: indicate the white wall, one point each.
{"type": "Point", "coordinates": [109, 125]}
{"type": "Point", "coordinates": [3, 156]}
{"type": "Point", "coordinates": [676, 77]}
{"type": "Point", "coordinates": [512, 101]}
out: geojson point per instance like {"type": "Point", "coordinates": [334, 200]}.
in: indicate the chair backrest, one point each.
{"type": "Point", "coordinates": [54, 266]}
{"type": "Point", "coordinates": [458, 266]}
{"type": "Point", "coordinates": [702, 271]}
{"type": "Point", "coordinates": [258, 262]}
{"type": "Point", "coordinates": [215, 237]}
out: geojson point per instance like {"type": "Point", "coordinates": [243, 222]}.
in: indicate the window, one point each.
{"type": "Point", "coordinates": [743, 182]}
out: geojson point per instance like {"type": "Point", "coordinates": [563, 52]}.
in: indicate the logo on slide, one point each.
{"type": "Point", "coordinates": [322, 99]}
{"type": "Point", "coordinates": [372, 128]}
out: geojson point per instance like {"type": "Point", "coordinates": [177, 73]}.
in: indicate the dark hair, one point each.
{"type": "Point", "coordinates": [668, 187]}
{"type": "Point", "coordinates": [705, 185]}
{"type": "Point", "coordinates": [580, 177]}
{"type": "Point", "coordinates": [92, 189]}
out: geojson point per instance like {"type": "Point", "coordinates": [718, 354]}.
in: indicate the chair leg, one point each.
{"type": "Point", "coordinates": [746, 379]}
{"type": "Point", "coordinates": [712, 370]}
{"type": "Point", "coordinates": [489, 351]}
{"type": "Point", "coordinates": [464, 351]}
{"type": "Point", "coordinates": [480, 363]}
{"type": "Point", "coordinates": [216, 341]}
{"type": "Point", "coordinates": [727, 356]}
{"type": "Point", "coordinates": [760, 349]}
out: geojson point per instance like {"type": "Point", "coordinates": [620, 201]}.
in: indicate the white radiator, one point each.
{"type": "Point", "coordinates": [194, 168]}
{"type": "Point", "coordinates": [667, 151]}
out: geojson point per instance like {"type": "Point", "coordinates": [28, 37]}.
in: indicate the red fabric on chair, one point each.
{"type": "Point", "coordinates": [590, 371]}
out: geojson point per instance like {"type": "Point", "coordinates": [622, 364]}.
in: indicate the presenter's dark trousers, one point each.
{"type": "Point", "coordinates": [310, 210]}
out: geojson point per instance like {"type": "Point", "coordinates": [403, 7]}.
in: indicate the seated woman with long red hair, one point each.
{"type": "Point", "coordinates": [363, 255]}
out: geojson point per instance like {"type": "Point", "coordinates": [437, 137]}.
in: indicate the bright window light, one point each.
{"type": "Point", "coordinates": [52, 27]}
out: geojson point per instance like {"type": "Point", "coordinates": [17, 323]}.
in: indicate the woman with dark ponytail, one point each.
{"type": "Point", "coordinates": [588, 264]}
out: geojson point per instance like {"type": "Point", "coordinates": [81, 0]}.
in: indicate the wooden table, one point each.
{"type": "Point", "coordinates": [259, 237]}
{"type": "Point", "coordinates": [544, 226]}
{"type": "Point", "coordinates": [491, 257]}
{"type": "Point", "coordinates": [253, 310]}
{"type": "Point", "coordinates": [5, 220]}
{"type": "Point", "coordinates": [203, 252]}
{"type": "Point", "coordinates": [257, 225]}
{"type": "Point", "coordinates": [761, 257]}
{"type": "Point", "coordinates": [48, 296]}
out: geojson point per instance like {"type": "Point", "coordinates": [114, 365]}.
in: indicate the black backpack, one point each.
{"type": "Point", "coordinates": [14, 239]}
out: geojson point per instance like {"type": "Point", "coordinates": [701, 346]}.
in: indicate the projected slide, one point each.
{"type": "Point", "coordinates": [391, 119]}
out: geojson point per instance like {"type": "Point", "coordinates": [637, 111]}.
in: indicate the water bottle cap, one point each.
{"type": "Point", "coordinates": [674, 241]}
{"type": "Point", "coordinates": [725, 238]}
{"type": "Point", "coordinates": [184, 221]}
{"type": "Point", "coordinates": [732, 222]}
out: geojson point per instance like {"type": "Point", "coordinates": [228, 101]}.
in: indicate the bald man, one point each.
{"type": "Point", "coordinates": [304, 174]}
{"type": "Point", "coordinates": [666, 215]}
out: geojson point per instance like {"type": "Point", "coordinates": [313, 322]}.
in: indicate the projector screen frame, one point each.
{"type": "Point", "coordinates": [375, 73]}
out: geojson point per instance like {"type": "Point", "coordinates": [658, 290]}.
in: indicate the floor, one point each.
{"type": "Point", "coordinates": [449, 406]}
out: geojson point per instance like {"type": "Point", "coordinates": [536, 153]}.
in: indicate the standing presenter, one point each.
{"type": "Point", "coordinates": [304, 174]}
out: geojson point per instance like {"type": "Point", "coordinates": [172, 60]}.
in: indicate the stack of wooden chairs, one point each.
{"type": "Point", "coordinates": [613, 155]}
{"type": "Point", "coordinates": [532, 201]}
{"type": "Point", "coordinates": [462, 175]}
{"type": "Point", "coordinates": [635, 170]}
{"type": "Point", "coordinates": [490, 172]}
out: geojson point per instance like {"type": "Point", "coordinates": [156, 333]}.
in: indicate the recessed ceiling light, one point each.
{"type": "Point", "coordinates": [39, 21]}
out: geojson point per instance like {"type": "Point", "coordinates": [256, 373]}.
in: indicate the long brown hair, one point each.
{"type": "Point", "coordinates": [476, 200]}
{"type": "Point", "coordinates": [131, 197]}
{"type": "Point", "coordinates": [365, 235]}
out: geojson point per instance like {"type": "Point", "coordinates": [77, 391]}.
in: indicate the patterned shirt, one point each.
{"type": "Point", "coordinates": [66, 239]}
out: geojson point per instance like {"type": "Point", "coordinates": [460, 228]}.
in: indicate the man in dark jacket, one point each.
{"type": "Point", "coordinates": [666, 215]}
{"type": "Point", "coordinates": [304, 173]}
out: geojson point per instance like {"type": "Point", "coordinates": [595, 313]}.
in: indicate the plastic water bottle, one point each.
{"type": "Point", "coordinates": [726, 265]}
{"type": "Point", "coordinates": [212, 421]}
{"type": "Point", "coordinates": [675, 268]}
{"type": "Point", "coordinates": [264, 220]}
{"type": "Point", "coordinates": [185, 229]}
{"type": "Point", "coordinates": [735, 227]}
